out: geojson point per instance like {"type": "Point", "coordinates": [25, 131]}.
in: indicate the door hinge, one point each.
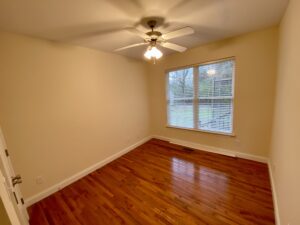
{"type": "Point", "coordinates": [22, 200]}
{"type": "Point", "coordinates": [6, 153]}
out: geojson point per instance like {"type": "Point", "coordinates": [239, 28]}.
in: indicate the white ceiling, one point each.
{"type": "Point", "coordinates": [98, 23]}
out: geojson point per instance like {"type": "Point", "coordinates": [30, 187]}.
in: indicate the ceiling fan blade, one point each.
{"type": "Point", "coordinates": [137, 32]}
{"type": "Point", "coordinates": [178, 33]}
{"type": "Point", "coordinates": [130, 46]}
{"type": "Point", "coordinates": [173, 46]}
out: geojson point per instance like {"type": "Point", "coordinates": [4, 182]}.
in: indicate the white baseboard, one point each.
{"type": "Point", "coordinates": [43, 194]}
{"type": "Point", "coordinates": [274, 194]}
{"type": "Point", "coordinates": [213, 149]}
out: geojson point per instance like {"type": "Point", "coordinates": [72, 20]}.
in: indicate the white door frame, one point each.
{"type": "Point", "coordinates": [8, 185]}
{"type": "Point", "coordinates": [10, 210]}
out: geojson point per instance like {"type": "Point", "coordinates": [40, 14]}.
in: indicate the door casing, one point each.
{"type": "Point", "coordinates": [10, 194]}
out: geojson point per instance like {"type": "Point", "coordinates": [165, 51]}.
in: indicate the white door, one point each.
{"type": "Point", "coordinates": [8, 212]}
{"type": "Point", "coordinates": [9, 188]}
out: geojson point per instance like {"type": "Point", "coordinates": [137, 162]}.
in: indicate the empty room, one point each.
{"type": "Point", "coordinates": [162, 112]}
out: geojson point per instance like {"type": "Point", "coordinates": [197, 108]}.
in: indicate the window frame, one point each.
{"type": "Point", "coordinates": [197, 65]}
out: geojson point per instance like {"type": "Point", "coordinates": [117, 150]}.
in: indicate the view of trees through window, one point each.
{"type": "Point", "coordinates": [201, 97]}
{"type": "Point", "coordinates": [181, 97]}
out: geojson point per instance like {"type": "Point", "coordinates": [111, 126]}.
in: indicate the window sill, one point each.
{"type": "Point", "coordinates": [203, 131]}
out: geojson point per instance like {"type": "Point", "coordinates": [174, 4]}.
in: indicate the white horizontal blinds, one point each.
{"type": "Point", "coordinates": [181, 98]}
{"type": "Point", "coordinates": [215, 96]}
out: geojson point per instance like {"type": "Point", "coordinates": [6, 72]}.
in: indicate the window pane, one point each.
{"type": "Point", "coordinates": [215, 115]}
{"type": "Point", "coordinates": [215, 80]}
{"type": "Point", "coordinates": [180, 98]}
{"type": "Point", "coordinates": [215, 96]}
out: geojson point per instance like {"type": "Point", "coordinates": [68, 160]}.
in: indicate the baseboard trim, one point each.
{"type": "Point", "coordinates": [274, 194]}
{"type": "Point", "coordinates": [45, 193]}
{"type": "Point", "coordinates": [212, 149]}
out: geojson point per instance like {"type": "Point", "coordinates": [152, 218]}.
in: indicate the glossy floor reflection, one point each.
{"type": "Point", "coordinates": [161, 183]}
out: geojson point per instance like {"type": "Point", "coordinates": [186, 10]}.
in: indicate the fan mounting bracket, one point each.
{"type": "Point", "coordinates": [152, 24]}
{"type": "Point", "coordinates": [154, 21]}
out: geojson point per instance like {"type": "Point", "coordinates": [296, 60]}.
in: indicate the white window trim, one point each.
{"type": "Point", "coordinates": [232, 134]}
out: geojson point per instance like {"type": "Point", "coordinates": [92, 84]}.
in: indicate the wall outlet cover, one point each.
{"type": "Point", "coordinates": [39, 180]}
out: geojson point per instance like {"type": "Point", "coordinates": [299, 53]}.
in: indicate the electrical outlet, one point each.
{"type": "Point", "coordinates": [39, 180]}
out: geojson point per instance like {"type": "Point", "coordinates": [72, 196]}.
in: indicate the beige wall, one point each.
{"type": "Point", "coordinates": [285, 151]}
{"type": "Point", "coordinates": [64, 108]}
{"type": "Point", "coordinates": [256, 55]}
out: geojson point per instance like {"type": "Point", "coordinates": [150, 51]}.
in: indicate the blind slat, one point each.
{"type": "Point", "coordinates": [215, 96]}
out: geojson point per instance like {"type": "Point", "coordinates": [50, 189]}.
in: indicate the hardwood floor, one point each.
{"type": "Point", "coordinates": [161, 183]}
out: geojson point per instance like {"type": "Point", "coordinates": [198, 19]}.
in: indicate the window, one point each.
{"type": "Point", "coordinates": [201, 97]}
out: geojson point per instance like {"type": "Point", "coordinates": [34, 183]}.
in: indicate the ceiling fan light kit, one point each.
{"type": "Point", "coordinates": [153, 52]}
{"type": "Point", "coordinates": [154, 38]}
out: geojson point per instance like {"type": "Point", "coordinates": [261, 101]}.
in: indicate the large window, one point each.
{"type": "Point", "coordinates": [201, 97]}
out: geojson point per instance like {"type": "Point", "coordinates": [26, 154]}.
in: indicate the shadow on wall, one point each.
{"type": "Point", "coordinates": [4, 220]}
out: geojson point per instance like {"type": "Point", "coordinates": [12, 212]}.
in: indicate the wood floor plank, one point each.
{"type": "Point", "coordinates": [164, 184]}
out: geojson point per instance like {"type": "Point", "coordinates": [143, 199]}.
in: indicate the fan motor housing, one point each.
{"type": "Point", "coordinates": [154, 34]}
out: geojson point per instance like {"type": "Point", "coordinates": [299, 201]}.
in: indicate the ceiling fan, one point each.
{"type": "Point", "coordinates": [154, 38]}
